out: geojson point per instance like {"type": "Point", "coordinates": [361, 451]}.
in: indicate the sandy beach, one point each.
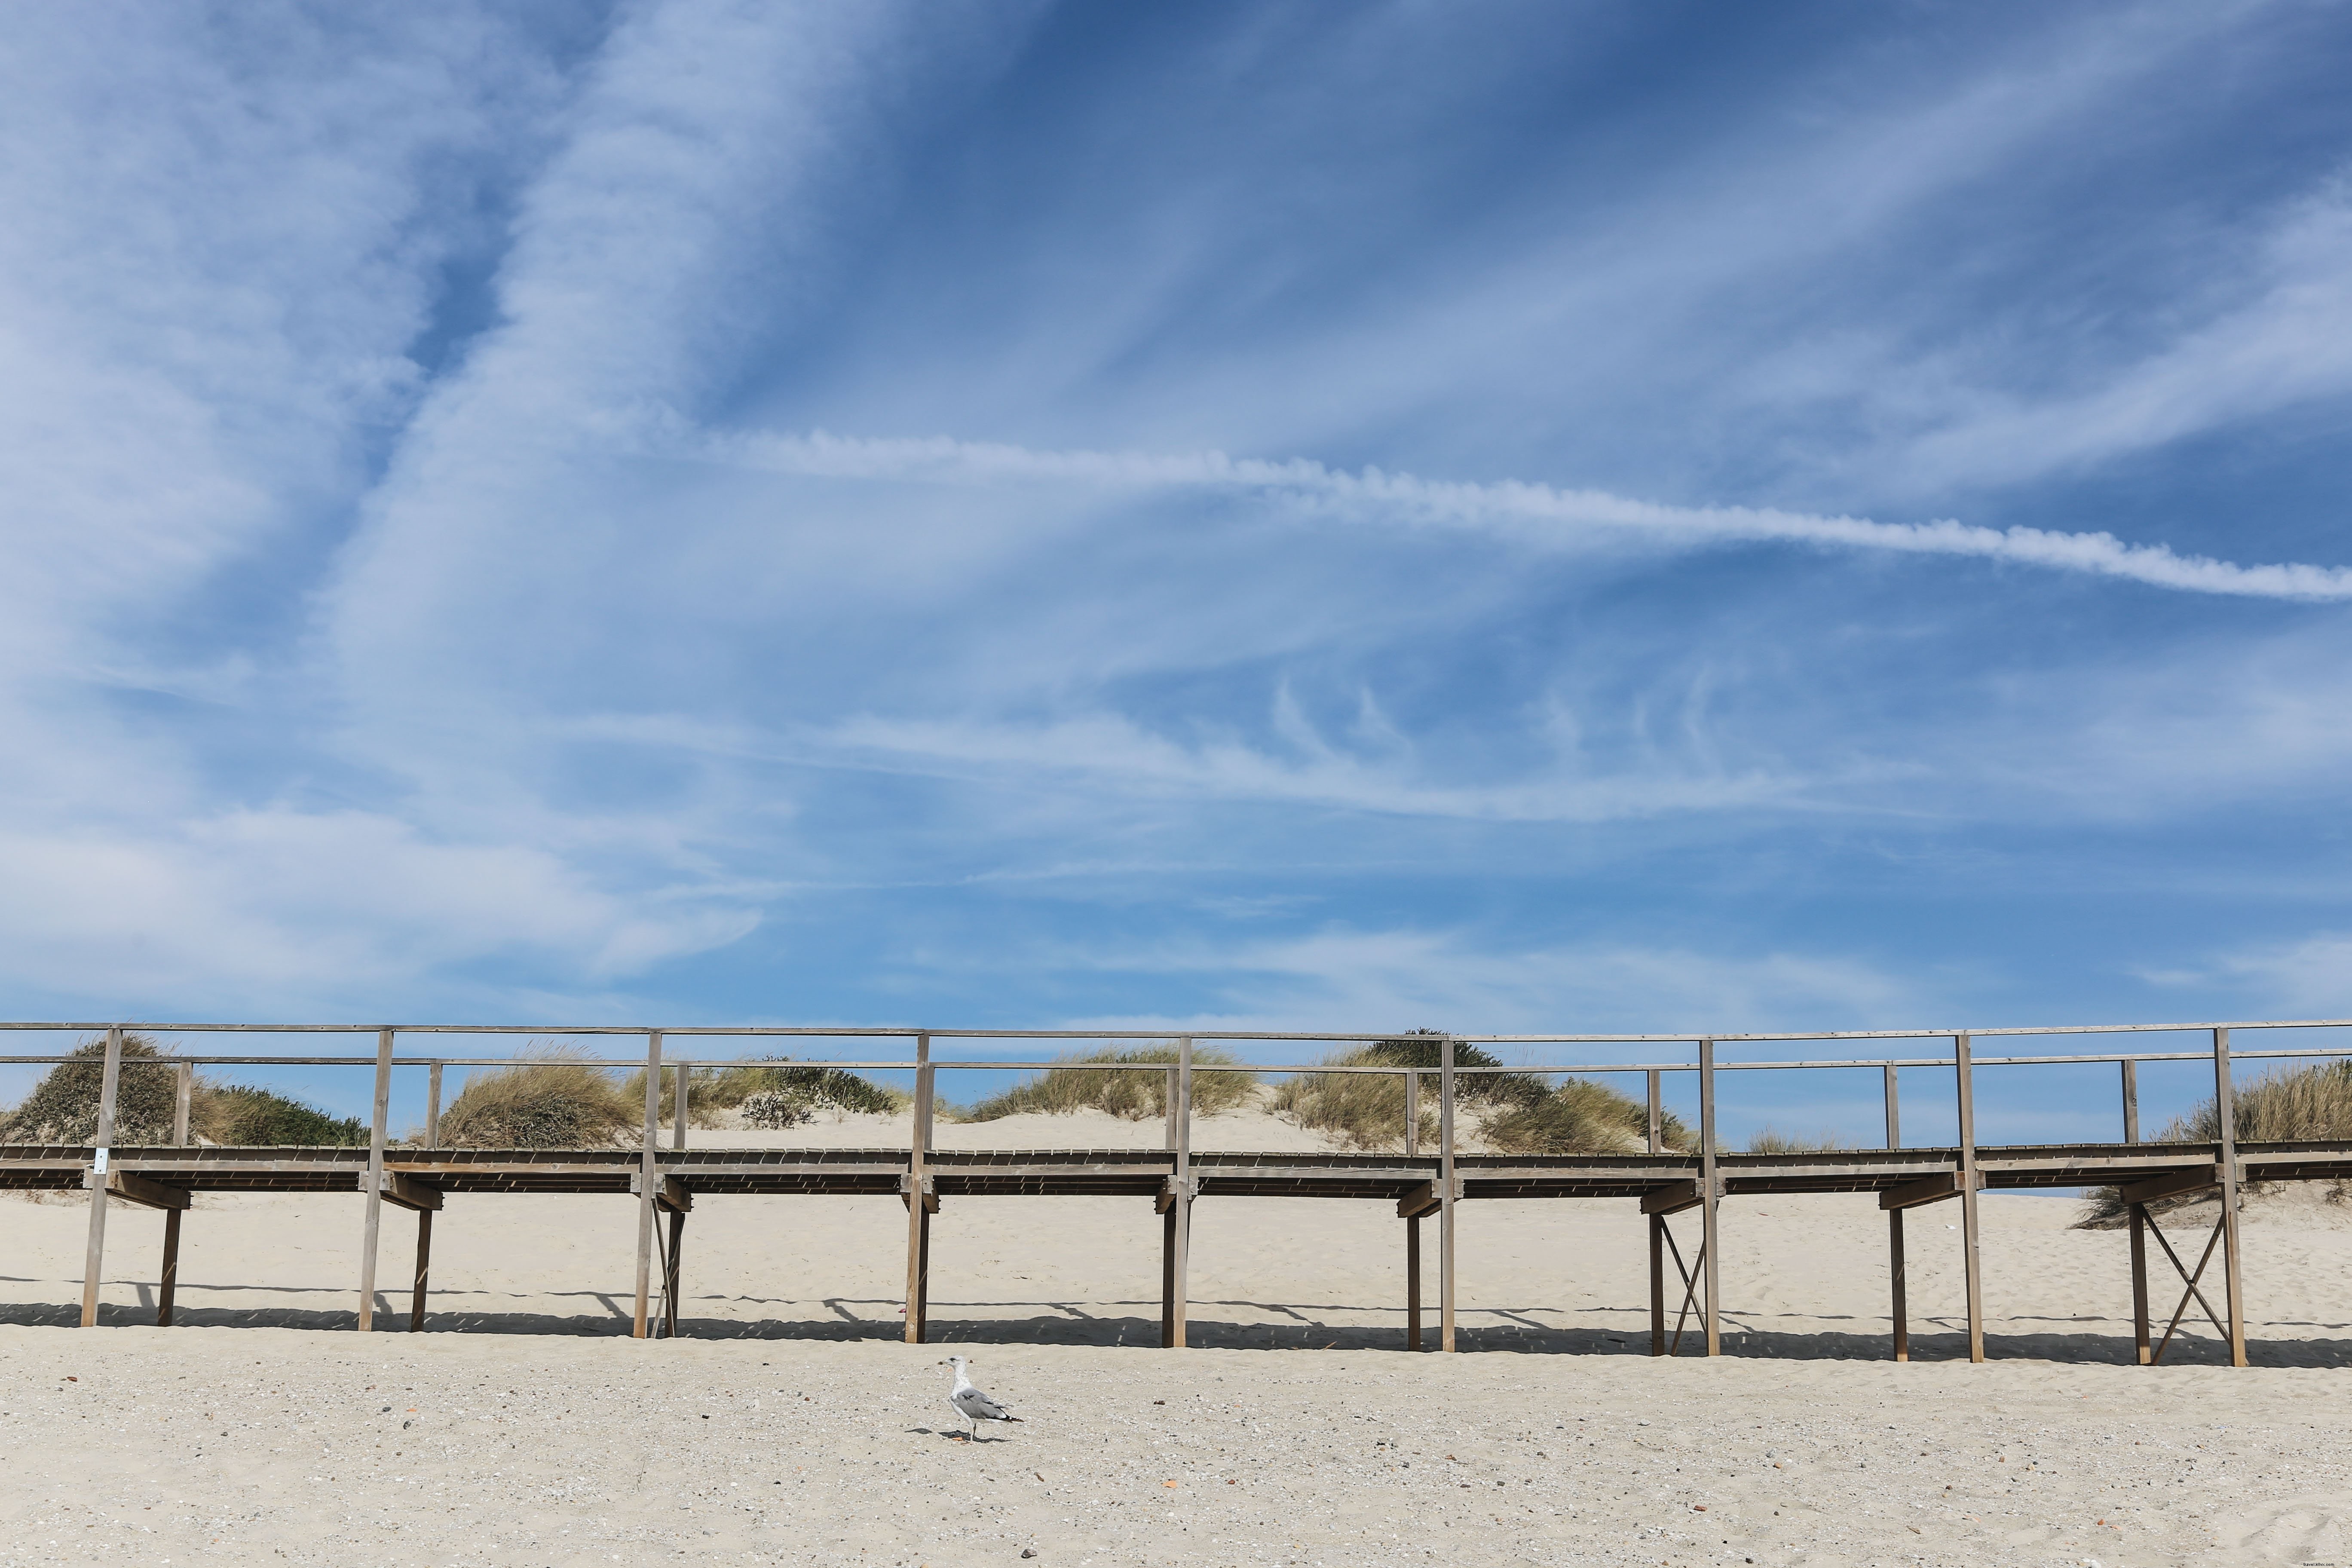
{"type": "Point", "coordinates": [789, 1426]}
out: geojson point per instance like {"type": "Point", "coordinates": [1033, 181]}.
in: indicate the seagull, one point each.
{"type": "Point", "coordinates": [969, 1403]}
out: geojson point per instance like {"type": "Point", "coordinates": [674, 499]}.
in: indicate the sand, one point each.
{"type": "Point", "coordinates": [788, 1428]}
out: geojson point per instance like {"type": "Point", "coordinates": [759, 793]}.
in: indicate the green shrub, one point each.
{"type": "Point", "coordinates": [1520, 1114]}
{"type": "Point", "coordinates": [1135, 1096]}
{"type": "Point", "coordinates": [711, 1090]}
{"type": "Point", "coordinates": [552, 1098]}
{"type": "Point", "coordinates": [1582, 1117]}
{"type": "Point", "coordinates": [63, 1107]}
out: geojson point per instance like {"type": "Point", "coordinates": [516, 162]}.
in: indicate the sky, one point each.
{"type": "Point", "coordinates": [1485, 515]}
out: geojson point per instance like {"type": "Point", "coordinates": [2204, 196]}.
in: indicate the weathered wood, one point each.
{"type": "Point", "coordinates": [2169, 1184]}
{"type": "Point", "coordinates": [167, 1286]}
{"type": "Point", "coordinates": [1674, 1197]}
{"type": "Point", "coordinates": [1447, 1193]}
{"type": "Point", "coordinates": [1971, 1253]}
{"type": "Point", "coordinates": [921, 1201]}
{"type": "Point", "coordinates": [671, 1271]}
{"type": "Point", "coordinates": [2140, 1337]}
{"type": "Point", "coordinates": [1932, 1189]}
{"type": "Point", "coordinates": [2131, 1100]}
{"type": "Point", "coordinates": [2233, 1284]}
{"type": "Point", "coordinates": [1657, 1111]}
{"type": "Point", "coordinates": [145, 1191]}
{"type": "Point", "coordinates": [1710, 1195]}
{"type": "Point", "coordinates": [1900, 1287]}
{"type": "Point", "coordinates": [1413, 1222]}
{"type": "Point", "coordinates": [930, 1184]}
{"type": "Point", "coordinates": [432, 1107]}
{"type": "Point", "coordinates": [677, 1098]}
{"type": "Point", "coordinates": [423, 1270]}
{"type": "Point", "coordinates": [1180, 1233]}
{"type": "Point", "coordinates": [407, 1192]}
{"type": "Point", "coordinates": [373, 1190]}
{"type": "Point", "coordinates": [94, 1254]}
{"type": "Point", "coordinates": [1657, 1284]}
{"type": "Point", "coordinates": [1420, 1201]}
{"type": "Point", "coordinates": [1894, 1107]}
{"type": "Point", "coordinates": [183, 1094]}
{"type": "Point", "coordinates": [649, 1183]}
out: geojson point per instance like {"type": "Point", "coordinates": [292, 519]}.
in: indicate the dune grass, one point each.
{"type": "Point", "coordinates": [1772, 1141]}
{"type": "Point", "coordinates": [554, 1096]}
{"type": "Point", "coordinates": [2309, 1103]}
{"type": "Point", "coordinates": [1080, 1082]}
{"type": "Point", "coordinates": [1518, 1113]}
{"type": "Point", "coordinates": [776, 1081]}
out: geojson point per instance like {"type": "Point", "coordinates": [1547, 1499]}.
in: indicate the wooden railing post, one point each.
{"type": "Point", "coordinates": [184, 1094]}
{"type": "Point", "coordinates": [1180, 1212]}
{"type": "Point", "coordinates": [677, 1107]}
{"type": "Point", "coordinates": [1445, 1194]}
{"type": "Point", "coordinates": [1898, 1280]}
{"type": "Point", "coordinates": [432, 1107]}
{"type": "Point", "coordinates": [1412, 1225]}
{"type": "Point", "coordinates": [1971, 1254]}
{"type": "Point", "coordinates": [2131, 1100]}
{"type": "Point", "coordinates": [918, 1212]}
{"type": "Point", "coordinates": [2225, 1109]}
{"type": "Point", "coordinates": [374, 1222]}
{"type": "Point", "coordinates": [102, 1155]}
{"type": "Point", "coordinates": [648, 1185]}
{"type": "Point", "coordinates": [1709, 1188]}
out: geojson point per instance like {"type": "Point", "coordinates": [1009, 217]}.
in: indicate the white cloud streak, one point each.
{"type": "Point", "coordinates": [1531, 515]}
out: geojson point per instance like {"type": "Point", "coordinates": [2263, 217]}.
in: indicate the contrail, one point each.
{"type": "Point", "coordinates": [1533, 514]}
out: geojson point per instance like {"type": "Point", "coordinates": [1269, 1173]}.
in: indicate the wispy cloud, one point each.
{"type": "Point", "coordinates": [1535, 516]}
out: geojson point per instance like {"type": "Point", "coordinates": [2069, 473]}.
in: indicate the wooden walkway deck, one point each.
{"type": "Point", "coordinates": [1421, 1184]}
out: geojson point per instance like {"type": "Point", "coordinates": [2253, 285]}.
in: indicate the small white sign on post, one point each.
{"type": "Point", "coordinates": [99, 1165]}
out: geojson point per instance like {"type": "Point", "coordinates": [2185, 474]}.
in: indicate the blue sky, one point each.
{"type": "Point", "coordinates": [1488, 515]}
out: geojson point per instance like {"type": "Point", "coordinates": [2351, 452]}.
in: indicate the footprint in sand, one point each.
{"type": "Point", "coordinates": [2296, 1530]}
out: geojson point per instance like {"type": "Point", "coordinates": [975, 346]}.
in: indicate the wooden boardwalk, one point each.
{"type": "Point", "coordinates": [1421, 1184]}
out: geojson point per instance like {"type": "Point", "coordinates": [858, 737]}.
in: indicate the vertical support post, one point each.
{"type": "Point", "coordinates": [1445, 1194]}
{"type": "Point", "coordinates": [2233, 1275]}
{"type": "Point", "coordinates": [374, 1223]}
{"type": "Point", "coordinates": [2143, 1355]}
{"type": "Point", "coordinates": [1971, 1253]}
{"type": "Point", "coordinates": [678, 1093]}
{"type": "Point", "coordinates": [101, 1152]}
{"type": "Point", "coordinates": [169, 1284]}
{"type": "Point", "coordinates": [2131, 1100]}
{"type": "Point", "coordinates": [433, 1108]}
{"type": "Point", "coordinates": [1657, 1284]}
{"type": "Point", "coordinates": [1167, 1109]}
{"type": "Point", "coordinates": [648, 1185]}
{"type": "Point", "coordinates": [1657, 1114]}
{"type": "Point", "coordinates": [1180, 1204]}
{"type": "Point", "coordinates": [423, 1268]}
{"type": "Point", "coordinates": [671, 1273]}
{"type": "Point", "coordinates": [1708, 1187]}
{"type": "Point", "coordinates": [1901, 1282]}
{"type": "Point", "coordinates": [183, 1094]}
{"type": "Point", "coordinates": [1893, 1109]}
{"type": "Point", "coordinates": [1412, 1225]}
{"type": "Point", "coordinates": [919, 1213]}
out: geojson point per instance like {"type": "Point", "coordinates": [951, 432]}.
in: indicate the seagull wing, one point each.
{"type": "Point", "coordinates": [980, 1407]}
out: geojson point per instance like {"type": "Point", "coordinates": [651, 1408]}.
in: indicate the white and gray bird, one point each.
{"type": "Point", "coordinates": [972, 1403]}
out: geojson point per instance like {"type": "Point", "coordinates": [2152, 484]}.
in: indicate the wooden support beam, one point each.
{"type": "Point", "coordinates": [1901, 1289]}
{"type": "Point", "coordinates": [2131, 1100]}
{"type": "Point", "coordinates": [1411, 1222]}
{"type": "Point", "coordinates": [1970, 1253]}
{"type": "Point", "coordinates": [2140, 1336]}
{"type": "Point", "coordinates": [2169, 1184]}
{"type": "Point", "coordinates": [432, 1107]}
{"type": "Point", "coordinates": [407, 1192]}
{"type": "Point", "coordinates": [922, 1200]}
{"type": "Point", "coordinates": [647, 1185]}
{"type": "Point", "coordinates": [1180, 1231]}
{"type": "Point", "coordinates": [1673, 1198]}
{"type": "Point", "coordinates": [2233, 1284]}
{"type": "Point", "coordinates": [94, 1254]}
{"type": "Point", "coordinates": [671, 1194]}
{"type": "Point", "coordinates": [671, 1273]}
{"type": "Point", "coordinates": [1446, 1194]}
{"type": "Point", "coordinates": [423, 1269]}
{"type": "Point", "coordinates": [1932, 1189]}
{"type": "Point", "coordinates": [131, 1188]}
{"type": "Point", "coordinates": [1710, 1196]}
{"type": "Point", "coordinates": [1657, 1280]}
{"type": "Point", "coordinates": [1419, 1201]}
{"type": "Point", "coordinates": [677, 1098]}
{"type": "Point", "coordinates": [931, 1192]}
{"type": "Point", "coordinates": [184, 1092]}
{"type": "Point", "coordinates": [373, 1188]}
{"type": "Point", "coordinates": [167, 1287]}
